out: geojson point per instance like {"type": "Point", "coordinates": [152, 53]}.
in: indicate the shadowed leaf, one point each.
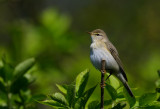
{"type": "Point", "coordinates": [111, 91]}
{"type": "Point", "coordinates": [87, 95]}
{"type": "Point", "coordinates": [94, 105]}
{"type": "Point", "coordinates": [2, 85]}
{"type": "Point", "coordinates": [38, 97]}
{"type": "Point", "coordinates": [131, 100]}
{"type": "Point", "coordinates": [70, 94]}
{"type": "Point", "coordinates": [107, 102]}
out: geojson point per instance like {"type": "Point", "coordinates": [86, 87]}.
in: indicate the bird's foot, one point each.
{"type": "Point", "coordinates": [102, 85]}
{"type": "Point", "coordinates": [103, 71]}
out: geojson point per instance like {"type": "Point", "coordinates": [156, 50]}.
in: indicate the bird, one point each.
{"type": "Point", "coordinates": [102, 49]}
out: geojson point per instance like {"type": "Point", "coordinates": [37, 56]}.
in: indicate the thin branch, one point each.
{"type": "Point", "coordinates": [102, 83]}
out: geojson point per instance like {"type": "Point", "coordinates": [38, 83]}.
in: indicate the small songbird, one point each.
{"type": "Point", "coordinates": [102, 49]}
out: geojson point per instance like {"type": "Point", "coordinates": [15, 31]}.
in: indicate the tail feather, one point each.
{"type": "Point", "coordinates": [128, 89]}
{"type": "Point", "coordinates": [123, 80]}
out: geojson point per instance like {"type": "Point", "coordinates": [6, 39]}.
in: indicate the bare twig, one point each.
{"type": "Point", "coordinates": [102, 83]}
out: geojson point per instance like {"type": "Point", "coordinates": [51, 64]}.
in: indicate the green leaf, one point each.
{"type": "Point", "coordinates": [131, 100]}
{"type": "Point", "coordinates": [87, 95]}
{"type": "Point", "coordinates": [147, 98]}
{"type": "Point", "coordinates": [38, 97]}
{"type": "Point", "coordinates": [78, 104]}
{"type": "Point", "coordinates": [62, 88]}
{"type": "Point", "coordinates": [114, 82]}
{"type": "Point", "coordinates": [154, 105]}
{"type": "Point", "coordinates": [2, 85]}
{"type": "Point", "coordinates": [22, 68]}
{"type": "Point", "coordinates": [81, 82]}
{"type": "Point", "coordinates": [119, 106]}
{"type": "Point", "coordinates": [6, 72]}
{"type": "Point", "coordinates": [59, 98]}
{"type": "Point", "coordinates": [158, 90]}
{"type": "Point", "coordinates": [151, 107]}
{"type": "Point", "coordinates": [111, 91]}
{"type": "Point", "coordinates": [3, 107]}
{"type": "Point", "coordinates": [158, 73]}
{"type": "Point", "coordinates": [107, 102]}
{"type": "Point", "coordinates": [70, 94]}
{"type": "Point", "coordinates": [21, 83]}
{"type": "Point", "coordinates": [51, 103]}
{"type": "Point", "coordinates": [157, 83]}
{"type": "Point", "coordinates": [94, 105]}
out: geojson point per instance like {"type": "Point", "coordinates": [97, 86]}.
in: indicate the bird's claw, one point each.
{"type": "Point", "coordinates": [103, 71]}
{"type": "Point", "coordinates": [102, 85]}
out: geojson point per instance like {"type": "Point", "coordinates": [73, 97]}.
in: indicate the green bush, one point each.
{"type": "Point", "coordinates": [15, 94]}
{"type": "Point", "coordinates": [14, 83]}
{"type": "Point", "coordinates": [74, 96]}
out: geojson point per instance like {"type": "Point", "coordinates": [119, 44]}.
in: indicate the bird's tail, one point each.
{"type": "Point", "coordinates": [128, 88]}
{"type": "Point", "coordinates": [122, 79]}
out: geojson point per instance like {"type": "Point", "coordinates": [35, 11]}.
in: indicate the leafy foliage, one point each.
{"type": "Point", "coordinates": [14, 84]}
{"type": "Point", "coordinates": [74, 96]}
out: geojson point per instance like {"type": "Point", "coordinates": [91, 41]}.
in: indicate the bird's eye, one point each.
{"type": "Point", "coordinates": [97, 34]}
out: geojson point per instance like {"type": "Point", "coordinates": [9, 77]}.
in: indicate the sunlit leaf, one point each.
{"type": "Point", "coordinates": [81, 82]}
{"type": "Point", "coordinates": [114, 82]}
{"type": "Point", "coordinates": [51, 103]}
{"type": "Point", "coordinates": [22, 68]}
{"type": "Point", "coordinates": [111, 91]}
{"type": "Point", "coordinates": [62, 88]}
{"type": "Point", "coordinates": [59, 98]}
{"type": "Point", "coordinates": [147, 98]}
{"type": "Point", "coordinates": [119, 106]}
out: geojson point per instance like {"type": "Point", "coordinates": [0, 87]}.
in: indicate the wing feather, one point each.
{"type": "Point", "coordinates": [115, 54]}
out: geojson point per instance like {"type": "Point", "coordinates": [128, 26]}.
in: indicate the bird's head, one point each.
{"type": "Point", "coordinates": [98, 35]}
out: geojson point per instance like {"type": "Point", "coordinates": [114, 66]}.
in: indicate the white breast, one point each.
{"type": "Point", "coordinates": [101, 53]}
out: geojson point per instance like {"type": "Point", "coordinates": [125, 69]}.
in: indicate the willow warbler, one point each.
{"type": "Point", "coordinates": [102, 49]}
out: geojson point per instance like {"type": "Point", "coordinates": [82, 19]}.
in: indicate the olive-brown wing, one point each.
{"type": "Point", "coordinates": [114, 53]}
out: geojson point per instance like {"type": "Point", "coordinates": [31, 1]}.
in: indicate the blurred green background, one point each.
{"type": "Point", "coordinates": [54, 32]}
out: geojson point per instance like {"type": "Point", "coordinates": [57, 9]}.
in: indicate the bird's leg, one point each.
{"type": "Point", "coordinates": [103, 71]}
{"type": "Point", "coordinates": [102, 84]}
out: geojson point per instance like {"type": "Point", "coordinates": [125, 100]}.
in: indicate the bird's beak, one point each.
{"type": "Point", "coordinates": [89, 32]}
